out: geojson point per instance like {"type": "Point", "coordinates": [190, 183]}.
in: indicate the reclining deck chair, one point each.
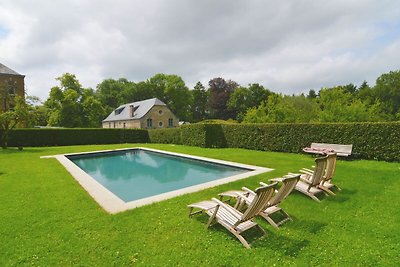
{"type": "Point", "coordinates": [246, 196]}
{"type": "Point", "coordinates": [230, 218]}
{"type": "Point", "coordinates": [326, 183]}
{"type": "Point", "coordinates": [309, 183]}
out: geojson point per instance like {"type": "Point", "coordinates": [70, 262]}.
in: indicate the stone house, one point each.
{"type": "Point", "coordinates": [11, 83]}
{"type": "Point", "coordinates": [147, 114]}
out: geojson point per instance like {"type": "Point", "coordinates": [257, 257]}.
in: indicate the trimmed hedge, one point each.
{"type": "Point", "coordinates": [370, 140]}
{"type": "Point", "coordinates": [166, 136]}
{"type": "Point", "coordinates": [379, 141]}
{"type": "Point", "coordinates": [75, 136]}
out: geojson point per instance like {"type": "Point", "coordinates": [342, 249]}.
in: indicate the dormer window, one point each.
{"type": "Point", "coordinates": [118, 111]}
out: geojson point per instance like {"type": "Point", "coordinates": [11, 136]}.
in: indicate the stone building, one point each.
{"type": "Point", "coordinates": [147, 114]}
{"type": "Point", "coordinates": [11, 84]}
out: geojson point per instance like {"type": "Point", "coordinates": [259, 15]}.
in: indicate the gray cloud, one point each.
{"type": "Point", "coordinates": [288, 46]}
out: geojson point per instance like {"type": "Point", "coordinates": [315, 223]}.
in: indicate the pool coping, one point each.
{"type": "Point", "coordinates": [113, 204]}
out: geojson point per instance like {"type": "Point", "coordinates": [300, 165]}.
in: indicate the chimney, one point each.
{"type": "Point", "coordinates": [131, 110]}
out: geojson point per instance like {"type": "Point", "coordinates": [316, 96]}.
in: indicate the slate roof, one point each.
{"type": "Point", "coordinates": [6, 70]}
{"type": "Point", "coordinates": [141, 108]}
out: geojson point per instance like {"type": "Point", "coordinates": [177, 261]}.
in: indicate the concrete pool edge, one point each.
{"type": "Point", "coordinates": [113, 204]}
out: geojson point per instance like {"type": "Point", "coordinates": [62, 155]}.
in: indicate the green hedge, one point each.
{"type": "Point", "coordinates": [166, 136]}
{"type": "Point", "coordinates": [370, 140]}
{"type": "Point", "coordinates": [65, 137]}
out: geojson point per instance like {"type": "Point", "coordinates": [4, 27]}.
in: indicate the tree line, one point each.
{"type": "Point", "coordinates": [71, 105]}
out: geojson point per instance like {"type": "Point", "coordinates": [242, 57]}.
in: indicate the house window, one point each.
{"type": "Point", "coordinates": [160, 112]}
{"type": "Point", "coordinates": [149, 123]}
{"type": "Point", "coordinates": [160, 124]}
{"type": "Point", "coordinates": [114, 124]}
{"type": "Point", "coordinates": [170, 123]}
{"type": "Point", "coordinates": [124, 125]}
{"type": "Point", "coordinates": [109, 125]}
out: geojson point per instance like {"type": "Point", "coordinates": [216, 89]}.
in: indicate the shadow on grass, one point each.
{"type": "Point", "coordinates": [15, 150]}
{"type": "Point", "coordinates": [310, 226]}
{"type": "Point", "coordinates": [287, 246]}
{"type": "Point", "coordinates": [343, 195]}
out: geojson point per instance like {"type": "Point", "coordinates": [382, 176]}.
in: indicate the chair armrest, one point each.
{"type": "Point", "coordinates": [248, 191]}
{"type": "Point", "coordinates": [307, 170]}
{"type": "Point", "coordinates": [278, 179]}
{"type": "Point", "coordinates": [305, 180]}
{"type": "Point", "coordinates": [228, 208]}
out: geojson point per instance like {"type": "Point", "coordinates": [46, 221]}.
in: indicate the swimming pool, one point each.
{"type": "Point", "coordinates": [127, 178]}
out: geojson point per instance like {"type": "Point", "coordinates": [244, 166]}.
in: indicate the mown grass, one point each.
{"type": "Point", "coordinates": [47, 219]}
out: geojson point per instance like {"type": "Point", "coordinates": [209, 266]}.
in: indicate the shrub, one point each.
{"type": "Point", "coordinates": [166, 136]}
{"type": "Point", "coordinates": [370, 140]}
{"type": "Point", "coordinates": [64, 137]}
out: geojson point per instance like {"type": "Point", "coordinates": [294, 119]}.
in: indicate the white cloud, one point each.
{"type": "Point", "coordinates": [289, 46]}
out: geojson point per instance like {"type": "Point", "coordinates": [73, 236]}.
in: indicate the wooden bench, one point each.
{"type": "Point", "coordinates": [322, 148]}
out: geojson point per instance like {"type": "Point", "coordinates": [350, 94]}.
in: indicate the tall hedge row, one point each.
{"type": "Point", "coordinates": [370, 140]}
{"type": "Point", "coordinates": [166, 136]}
{"type": "Point", "coordinates": [64, 137]}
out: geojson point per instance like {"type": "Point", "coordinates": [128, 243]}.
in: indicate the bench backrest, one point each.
{"type": "Point", "coordinates": [340, 150]}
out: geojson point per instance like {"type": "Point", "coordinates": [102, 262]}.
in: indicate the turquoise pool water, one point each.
{"type": "Point", "coordinates": [135, 174]}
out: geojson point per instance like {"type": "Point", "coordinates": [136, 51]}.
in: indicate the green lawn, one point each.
{"type": "Point", "coordinates": [47, 219]}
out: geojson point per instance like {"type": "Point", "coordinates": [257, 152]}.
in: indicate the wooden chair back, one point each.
{"type": "Point", "coordinates": [330, 166]}
{"type": "Point", "coordinates": [319, 171]}
{"type": "Point", "coordinates": [263, 195]}
{"type": "Point", "coordinates": [287, 187]}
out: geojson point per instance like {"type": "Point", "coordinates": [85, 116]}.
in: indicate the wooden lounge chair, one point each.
{"type": "Point", "coordinates": [309, 183]}
{"type": "Point", "coordinates": [246, 196]}
{"type": "Point", "coordinates": [230, 218]}
{"type": "Point", "coordinates": [326, 183]}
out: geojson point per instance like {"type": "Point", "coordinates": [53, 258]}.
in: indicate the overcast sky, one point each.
{"type": "Point", "coordinates": [287, 46]}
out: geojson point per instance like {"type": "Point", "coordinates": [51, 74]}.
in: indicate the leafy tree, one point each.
{"type": "Point", "coordinates": [258, 94]}
{"type": "Point", "coordinates": [338, 105]}
{"type": "Point", "coordinates": [220, 91]}
{"type": "Point", "coordinates": [244, 98]}
{"type": "Point", "coordinates": [9, 119]}
{"type": "Point", "coordinates": [280, 108]}
{"type": "Point", "coordinates": [172, 90]}
{"type": "Point", "coordinates": [312, 94]}
{"type": "Point", "coordinates": [199, 103]}
{"type": "Point", "coordinates": [111, 93]}
{"type": "Point", "coordinates": [239, 102]}
{"type": "Point", "coordinates": [387, 90]}
{"type": "Point", "coordinates": [71, 105]}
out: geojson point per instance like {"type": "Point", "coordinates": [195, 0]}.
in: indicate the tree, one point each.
{"type": "Point", "coordinates": [338, 105]}
{"type": "Point", "coordinates": [244, 98]}
{"type": "Point", "coordinates": [11, 118]}
{"type": "Point", "coordinates": [172, 90]}
{"type": "Point", "coordinates": [111, 93]}
{"type": "Point", "coordinates": [387, 90]}
{"type": "Point", "coordinates": [199, 102]}
{"type": "Point", "coordinates": [311, 94]}
{"type": "Point", "coordinates": [220, 91]}
{"type": "Point", "coordinates": [71, 105]}
{"type": "Point", "coordinates": [239, 102]}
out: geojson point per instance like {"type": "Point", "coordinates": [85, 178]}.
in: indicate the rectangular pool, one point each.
{"type": "Point", "coordinates": [127, 178]}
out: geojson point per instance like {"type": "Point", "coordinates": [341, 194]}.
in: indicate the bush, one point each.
{"type": "Point", "coordinates": [166, 136]}
{"type": "Point", "coordinates": [65, 137]}
{"type": "Point", "coordinates": [370, 140]}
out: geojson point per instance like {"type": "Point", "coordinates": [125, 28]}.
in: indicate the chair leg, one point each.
{"type": "Point", "coordinates": [240, 237]}
{"type": "Point", "coordinates": [327, 190]}
{"type": "Point", "coordinates": [313, 197]}
{"type": "Point", "coordinates": [269, 219]}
